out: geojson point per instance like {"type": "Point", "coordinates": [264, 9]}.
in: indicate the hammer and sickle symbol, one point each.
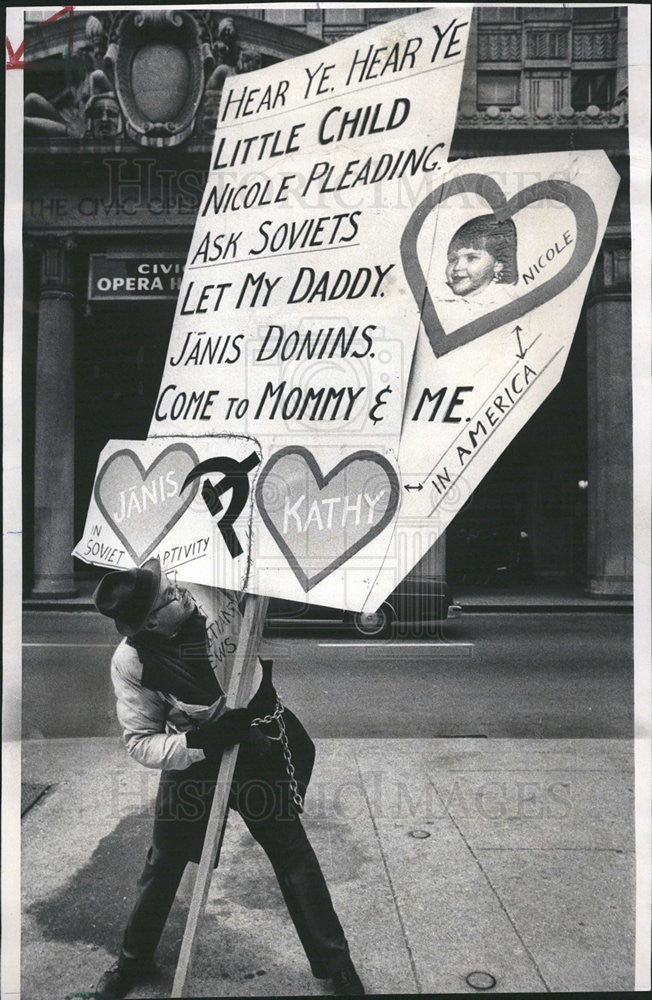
{"type": "Point", "coordinates": [236, 478]}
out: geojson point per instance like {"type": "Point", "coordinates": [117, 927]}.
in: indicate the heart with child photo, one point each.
{"type": "Point", "coordinates": [570, 195]}
{"type": "Point", "coordinates": [142, 504]}
{"type": "Point", "coordinates": [318, 520]}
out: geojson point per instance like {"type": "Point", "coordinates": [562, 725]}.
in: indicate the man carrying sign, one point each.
{"type": "Point", "coordinates": [173, 714]}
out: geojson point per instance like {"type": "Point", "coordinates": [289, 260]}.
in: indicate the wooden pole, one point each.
{"type": "Point", "coordinates": [238, 694]}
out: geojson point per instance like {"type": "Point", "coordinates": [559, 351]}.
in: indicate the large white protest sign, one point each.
{"type": "Point", "coordinates": [295, 322]}
{"type": "Point", "coordinates": [488, 261]}
{"type": "Point", "coordinates": [294, 314]}
{"type": "Point", "coordinates": [185, 501]}
{"type": "Point", "coordinates": [499, 256]}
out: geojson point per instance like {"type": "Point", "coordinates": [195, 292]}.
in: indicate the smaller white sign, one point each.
{"type": "Point", "coordinates": [500, 257]}
{"type": "Point", "coordinates": [186, 501]}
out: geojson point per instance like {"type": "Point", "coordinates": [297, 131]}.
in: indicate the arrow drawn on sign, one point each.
{"type": "Point", "coordinates": [518, 330]}
{"type": "Point", "coordinates": [419, 487]}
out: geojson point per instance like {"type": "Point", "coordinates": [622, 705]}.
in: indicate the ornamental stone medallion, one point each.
{"type": "Point", "coordinates": [160, 61]}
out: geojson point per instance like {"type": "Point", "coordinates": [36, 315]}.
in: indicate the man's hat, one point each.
{"type": "Point", "coordinates": [129, 595]}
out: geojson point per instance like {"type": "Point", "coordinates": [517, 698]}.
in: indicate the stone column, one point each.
{"type": "Point", "coordinates": [621, 51]}
{"type": "Point", "coordinates": [434, 561]}
{"type": "Point", "coordinates": [431, 564]}
{"type": "Point", "coordinates": [609, 372]}
{"type": "Point", "coordinates": [54, 445]}
{"type": "Point", "coordinates": [468, 90]}
{"type": "Point", "coordinates": [313, 23]}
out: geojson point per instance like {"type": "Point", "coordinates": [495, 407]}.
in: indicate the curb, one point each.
{"type": "Point", "coordinates": [598, 607]}
{"type": "Point", "coordinates": [537, 609]}
{"type": "Point", "coordinates": [63, 605]}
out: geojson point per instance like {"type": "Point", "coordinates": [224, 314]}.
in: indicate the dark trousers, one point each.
{"type": "Point", "coordinates": [299, 875]}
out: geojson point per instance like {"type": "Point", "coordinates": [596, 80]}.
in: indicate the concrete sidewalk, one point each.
{"type": "Point", "coordinates": [542, 596]}
{"type": "Point", "coordinates": [444, 857]}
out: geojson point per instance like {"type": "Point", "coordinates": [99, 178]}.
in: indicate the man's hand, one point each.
{"type": "Point", "coordinates": [259, 743]}
{"type": "Point", "coordinates": [232, 727]}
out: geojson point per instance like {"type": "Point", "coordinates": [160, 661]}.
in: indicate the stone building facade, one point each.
{"type": "Point", "coordinates": [114, 167]}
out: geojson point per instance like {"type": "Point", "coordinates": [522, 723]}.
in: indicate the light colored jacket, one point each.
{"type": "Point", "coordinates": [154, 723]}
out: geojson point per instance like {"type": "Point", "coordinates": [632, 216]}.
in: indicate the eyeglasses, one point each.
{"type": "Point", "coordinates": [173, 592]}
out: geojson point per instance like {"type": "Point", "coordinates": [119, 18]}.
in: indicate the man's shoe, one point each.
{"type": "Point", "coordinates": [346, 982]}
{"type": "Point", "coordinates": [116, 982]}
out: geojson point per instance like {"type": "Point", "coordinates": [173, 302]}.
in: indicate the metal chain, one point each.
{"type": "Point", "coordinates": [277, 716]}
{"type": "Point", "coordinates": [265, 719]}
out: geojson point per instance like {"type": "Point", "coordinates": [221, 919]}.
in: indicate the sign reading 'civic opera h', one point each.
{"type": "Point", "coordinates": [129, 276]}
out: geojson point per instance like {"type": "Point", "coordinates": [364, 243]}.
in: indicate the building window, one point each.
{"type": "Point", "coordinates": [560, 13]}
{"type": "Point", "coordinates": [343, 15]}
{"type": "Point", "coordinates": [596, 43]}
{"type": "Point", "coordinates": [547, 43]}
{"type": "Point", "coordinates": [501, 90]}
{"type": "Point", "coordinates": [285, 15]}
{"type": "Point", "coordinates": [592, 88]}
{"type": "Point", "coordinates": [546, 93]}
{"type": "Point", "coordinates": [499, 44]}
{"type": "Point", "coordinates": [380, 15]}
{"type": "Point", "coordinates": [592, 15]}
{"type": "Point", "coordinates": [499, 15]}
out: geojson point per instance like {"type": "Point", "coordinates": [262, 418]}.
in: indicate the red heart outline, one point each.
{"type": "Point", "coordinates": [586, 218]}
{"type": "Point", "coordinates": [307, 582]}
{"type": "Point", "coordinates": [139, 558]}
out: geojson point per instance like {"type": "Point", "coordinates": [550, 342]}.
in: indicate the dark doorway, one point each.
{"type": "Point", "coordinates": [121, 350]}
{"type": "Point", "coordinates": [527, 518]}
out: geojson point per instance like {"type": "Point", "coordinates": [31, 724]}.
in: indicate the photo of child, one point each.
{"type": "Point", "coordinates": [482, 252]}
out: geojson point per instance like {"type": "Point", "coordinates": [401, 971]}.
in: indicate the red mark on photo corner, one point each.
{"type": "Point", "coordinates": [15, 57]}
{"type": "Point", "coordinates": [15, 61]}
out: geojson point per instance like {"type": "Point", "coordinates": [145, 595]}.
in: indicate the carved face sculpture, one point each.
{"type": "Point", "coordinates": [104, 117]}
{"type": "Point", "coordinates": [226, 30]}
{"type": "Point", "coordinates": [96, 41]}
{"type": "Point", "coordinates": [98, 51]}
{"type": "Point", "coordinates": [248, 61]}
